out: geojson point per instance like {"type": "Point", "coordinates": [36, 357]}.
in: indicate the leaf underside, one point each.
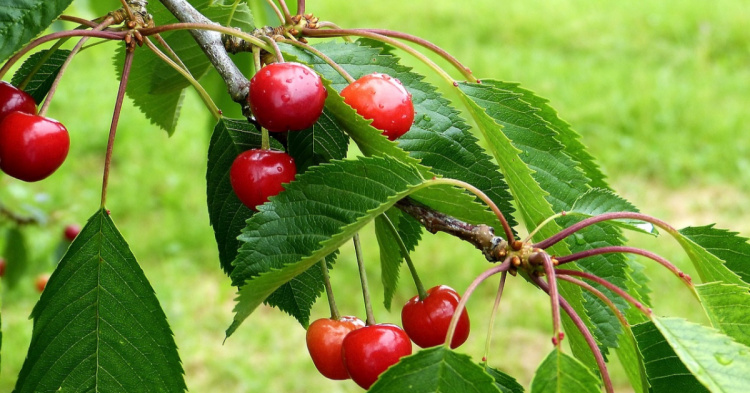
{"type": "Point", "coordinates": [22, 20]}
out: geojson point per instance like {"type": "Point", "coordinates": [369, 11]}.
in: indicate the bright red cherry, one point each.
{"type": "Point", "coordinates": [41, 282]}
{"type": "Point", "coordinates": [71, 231]}
{"type": "Point", "coordinates": [13, 99]}
{"type": "Point", "coordinates": [324, 338]}
{"type": "Point", "coordinates": [286, 97]}
{"type": "Point", "coordinates": [426, 321]}
{"type": "Point", "coordinates": [371, 350]}
{"type": "Point", "coordinates": [32, 147]}
{"type": "Point", "coordinates": [384, 100]}
{"type": "Point", "coordinates": [258, 174]}
{"type": "Point", "coordinates": [2, 267]}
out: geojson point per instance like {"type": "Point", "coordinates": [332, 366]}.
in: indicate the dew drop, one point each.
{"type": "Point", "coordinates": [285, 98]}
{"type": "Point", "coordinates": [268, 73]}
{"type": "Point", "coordinates": [289, 80]}
{"type": "Point", "coordinates": [579, 238]}
{"type": "Point", "coordinates": [381, 106]}
{"type": "Point", "coordinates": [722, 359]}
{"type": "Point", "coordinates": [279, 169]}
{"type": "Point", "coordinates": [426, 118]}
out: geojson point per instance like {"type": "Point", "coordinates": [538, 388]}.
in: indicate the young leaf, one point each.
{"type": "Point", "coordinates": [439, 137]}
{"type": "Point", "coordinates": [503, 381]}
{"type": "Point", "coordinates": [225, 211]}
{"type": "Point", "coordinates": [43, 68]}
{"type": "Point", "coordinates": [22, 20]}
{"type": "Point", "coordinates": [728, 307]}
{"type": "Point", "coordinates": [732, 249]}
{"type": "Point", "coordinates": [98, 325]}
{"type": "Point", "coordinates": [666, 372]}
{"type": "Point", "coordinates": [317, 213]}
{"type": "Point", "coordinates": [16, 256]}
{"type": "Point", "coordinates": [435, 370]}
{"type": "Point", "coordinates": [706, 259]}
{"type": "Point", "coordinates": [560, 373]}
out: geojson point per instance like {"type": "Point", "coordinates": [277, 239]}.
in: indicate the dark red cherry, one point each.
{"type": "Point", "coordinates": [32, 147]}
{"type": "Point", "coordinates": [426, 321]}
{"type": "Point", "coordinates": [258, 174]}
{"type": "Point", "coordinates": [371, 350]}
{"type": "Point", "coordinates": [13, 99]}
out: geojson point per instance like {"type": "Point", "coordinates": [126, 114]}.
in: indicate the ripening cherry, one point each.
{"type": "Point", "coordinates": [369, 351]}
{"type": "Point", "coordinates": [286, 97]}
{"type": "Point", "coordinates": [32, 147]}
{"type": "Point", "coordinates": [384, 100]}
{"type": "Point", "coordinates": [324, 339]}
{"type": "Point", "coordinates": [13, 99]}
{"type": "Point", "coordinates": [2, 267]}
{"type": "Point", "coordinates": [71, 231]}
{"type": "Point", "coordinates": [258, 174]}
{"type": "Point", "coordinates": [426, 321]}
{"type": "Point", "coordinates": [41, 282]}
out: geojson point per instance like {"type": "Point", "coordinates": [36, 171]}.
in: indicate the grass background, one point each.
{"type": "Point", "coordinates": [658, 91]}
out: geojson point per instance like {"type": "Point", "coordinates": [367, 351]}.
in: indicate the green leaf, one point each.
{"type": "Point", "coordinates": [597, 201]}
{"type": "Point", "coordinates": [410, 232]}
{"type": "Point", "coordinates": [666, 372]}
{"type": "Point", "coordinates": [503, 381]}
{"type": "Point", "coordinates": [561, 373]}
{"type": "Point", "coordinates": [732, 249]}
{"type": "Point", "coordinates": [439, 137]}
{"type": "Point", "coordinates": [632, 361]}
{"type": "Point", "coordinates": [44, 68]}
{"type": "Point", "coordinates": [16, 256]}
{"type": "Point", "coordinates": [322, 142]}
{"type": "Point", "coordinates": [435, 370]}
{"type": "Point", "coordinates": [22, 20]}
{"type": "Point", "coordinates": [157, 89]}
{"type": "Point", "coordinates": [98, 325]}
{"type": "Point", "coordinates": [706, 258]}
{"type": "Point", "coordinates": [728, 307]}
{"type": "Point", "coordinates": [316, 214]}
{"type": "Point", "coordinates": [225, 211]}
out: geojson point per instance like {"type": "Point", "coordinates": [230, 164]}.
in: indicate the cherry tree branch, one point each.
{"type": "Point", "coordinates": [211, 44]}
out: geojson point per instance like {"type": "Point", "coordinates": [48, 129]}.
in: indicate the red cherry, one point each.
{"type": "Point", "coordinates": [2, 267]}
{"type": "Point", "coordinates": [324, 338]}
{"type": "Point", "coordinates": [32, 147]}
{"type": "Point", "coordinates": [258, 174]}
{"type": "Point", "coordinates": [371, 350]}
{"type": "Point", "coordinates": [13, 99]}
{"type": "Point", "coordinates": [286, 97]}
{"type": "Point", "coordinates": [384, 100]}
{"type": "Point", "coordinates": [41, 282]}
{"type": "Point", "coordinates": [71, 231]}
{"type": "Point", "coordinates": [426, 321]}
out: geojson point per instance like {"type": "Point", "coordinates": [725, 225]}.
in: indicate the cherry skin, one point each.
{"type": "Point", "coordinates": [382, 99]}
{"type": "Point", "coordinates": [32, 147]}
{"type": "Point", "coordinates": [286, 97]}
{"type": "Point", "coordinates": [13, 99]}
{"type": "Point", "coordinates": [258, 174]}
{"type": "Point", "coordinates": [71, 231]}
{"type": "Point", "coordinates": [324, 338]}
{"type": "Point", "coordinates": [41, 282]}
{"type": "Point", "coordinates": [426, 321]}
{"type": "Point", "coordinates": [2, 267]}
{"type": "Point", "coordinates": [369, 351]}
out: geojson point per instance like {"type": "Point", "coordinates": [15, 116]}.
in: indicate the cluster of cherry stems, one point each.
{"type": "Point", "coordinates": [288, 97]}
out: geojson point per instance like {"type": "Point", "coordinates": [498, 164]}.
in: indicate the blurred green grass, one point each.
{"type": "Point", "coordinates": [658, 91]}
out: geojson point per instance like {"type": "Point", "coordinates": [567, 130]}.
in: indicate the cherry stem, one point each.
{"type": "Point", "coordinates": [363, 280]}
{"type": "Point", "coordinates": [379, 37]}
{"type": "Point", "coordinates": [275, 46]}
{"type": "Point", "coordinates": [495, 308]}
{"type": "Point", "coordinates": [17, 218]}
{"type": "Point", "coordinates": [630, 250]}
{"type": "Point", "coordinates": [265, 141]}
{"type": "Point", "coordinates": [501, 268]}
{"type": "Point", "coordinates": [130, 50]}
{"type": "Point", "coordinates": [405, 253]}
{"type": "Point", "coordinates": [323, 57]}
{"type": "Point", "coordinates": [287, 15]}
{"type": "Point", "coordinates": [612, 287]}
{"type": "Point", "coordinates": [586, 335]}
{"type": "Point", "coordinates": [485, 199]}
{"type": "Point", "coordinates": [542, 224]}
{"type": "Point", "coordinates": [206, 26]}
{"type": "Point", "coordinates": [172, 54]}
{"type": "Point", "coordinates": [256, 59]}
{"type": "Point", "coordinates": [331, 25]}
{"type": "Point", "coordinates": [300, 7]}
{"type": "Point", "coordinates": [58, 35]}
{"type": "Point", "coordinates": [552, 240]}
{"type": "Point", "coordinates": [66, 63]}
{"type": "Point", "coordinates": [600, 295]}
{"type": "Point", "coordinates": [129, 12]}
{"type": "Point", "coordinates": [329, 290]}
{"type": "Point", "coordinates": [277, 11]}
{"type": "Point", "coordinates": [78, 20]}
{"type": "Point", "coordinates": [554, 296]}
{"type": "Point", "coordinates": [189, 77]}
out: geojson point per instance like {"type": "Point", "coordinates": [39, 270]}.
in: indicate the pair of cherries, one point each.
{"type": "Point", "coordinates": [290, 97]}
{"type": "Point", "coordinates": [346, 348]}
{"type": "Point", "coordinates": [32, 147]}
